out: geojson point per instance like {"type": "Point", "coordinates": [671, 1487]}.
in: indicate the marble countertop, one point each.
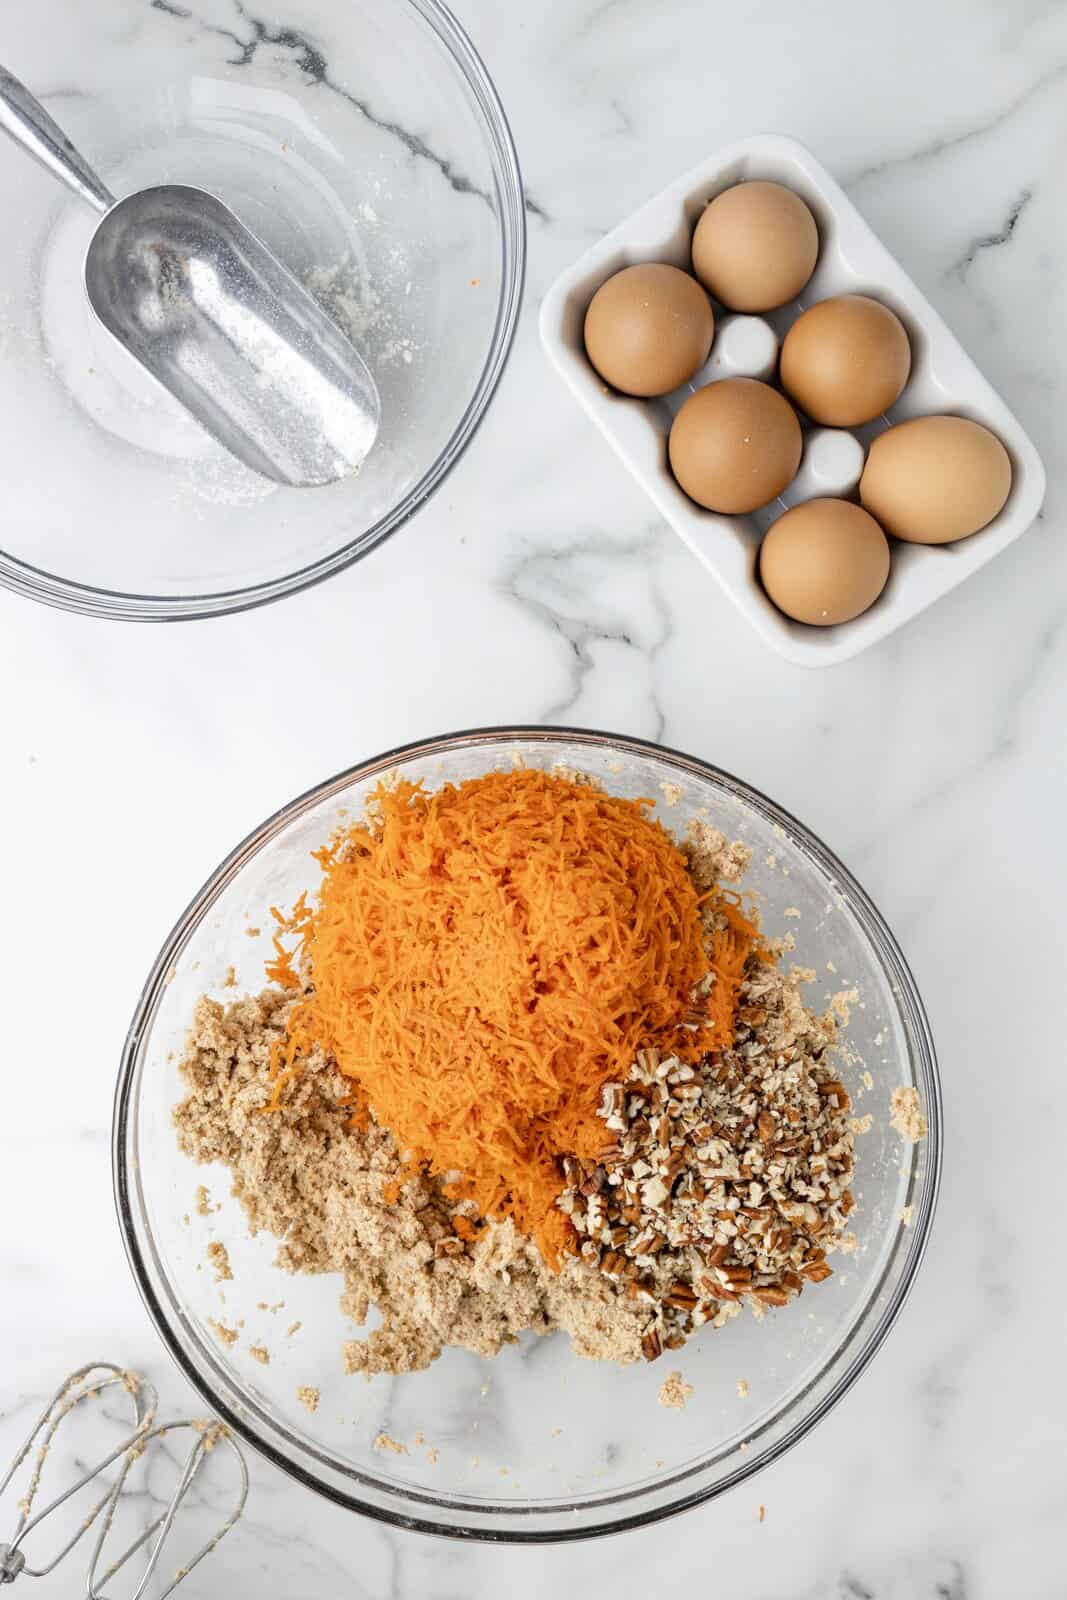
{"type": "Point", "coordinates": [539, 587]}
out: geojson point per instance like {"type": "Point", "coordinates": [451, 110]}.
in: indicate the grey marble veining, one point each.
{"type": "Point", "coordinates": [249, 35]}
{"type": "Point", "coordinates": [536, 586]}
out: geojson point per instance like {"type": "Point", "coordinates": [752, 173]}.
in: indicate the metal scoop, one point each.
{"type": "Point", "coordinates": [206, 308]}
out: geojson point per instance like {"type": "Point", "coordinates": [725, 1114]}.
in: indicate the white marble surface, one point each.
{"type": "Point", "coordinates": [538, 587]}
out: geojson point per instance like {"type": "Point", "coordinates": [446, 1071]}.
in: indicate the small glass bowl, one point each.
{"type": "Point", "coordinates": [366, 145]}
{"type": "Point", "coordinates": [537, 1444]}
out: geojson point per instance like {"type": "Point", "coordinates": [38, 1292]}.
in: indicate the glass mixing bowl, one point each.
{"type": "Point", "coordinates": [366, 145]}
{"type": "Point", "coordinates": [536, 1444]}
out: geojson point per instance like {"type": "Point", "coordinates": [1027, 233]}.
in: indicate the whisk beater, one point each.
{"type": "Point", "coordinates": [81, 1387]}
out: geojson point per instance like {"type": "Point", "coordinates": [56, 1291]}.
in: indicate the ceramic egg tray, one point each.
{"type": "Point", "coordinates": [851, 260]}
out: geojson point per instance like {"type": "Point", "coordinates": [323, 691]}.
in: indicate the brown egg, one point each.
{"type": "Point", "coordinates": [648, 329]}
{"type": "Point", "coordinates": [755, 246]}
{"type": "Point", "coordinates": [735, 445]}
{"type": "Point", "coordinates": [845, 361]}
{"type": "Point", "coordinates": [825, 561]}
{"type": "Point", "coordinates": [936, 479]}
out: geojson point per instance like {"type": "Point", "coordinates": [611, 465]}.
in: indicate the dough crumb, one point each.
{"type": "Point", "coordinates": [842, 1002]}
{"type": "Point", "coordinates": [907, 1114]}
{"type": "Point", "coordinates": [230, 979]}
{"type": "Point", "coordinates": [204, 1208]}
{"type": "Point", "coordinates": [674, 1392]}
{"type": "Point", "coordinates": [791, 911]}
{"type": "Point", "coordinates": [294, 1327]}
{"type": "Point", "coordinates": [583, 780]}
{"type": "Point", "coordinates": [672, 793]}
{"type": "Point", "coordinates": [253, 933]}
{"type": "Point", "coordinates": [211, 1432]}
{"type": "Point", "coordinates": [762, 1513]}
{"type": "Point", "coordinates": [225, 1335]}
{"type": "Point", "coordinates": [308, 1396]}
{"type": "Point", "coordinates": [384, 1442]}
{"type": "Point", "coordinates": [260, 1353]}
{"type": "Point", "coordinates": [906, 1215]}
{"type": "Point", "coordinates": [743, 1390]}
{"type": "Point", "coordinates": [433, 1456]}
{"type": "Point", "coordinates": [220, 1260]}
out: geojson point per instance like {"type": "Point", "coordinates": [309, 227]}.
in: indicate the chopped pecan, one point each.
{"type": "Point", "coordinates": [771, 1294]}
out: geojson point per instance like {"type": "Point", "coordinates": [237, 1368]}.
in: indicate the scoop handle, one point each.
{"type": "Point", "coordinates": [29, 124]}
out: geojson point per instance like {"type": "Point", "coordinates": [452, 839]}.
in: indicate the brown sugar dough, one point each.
{"type": "Point", "coordinates": [306, 1176]}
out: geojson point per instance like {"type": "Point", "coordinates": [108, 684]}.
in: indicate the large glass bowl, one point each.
{"type": "Point", "coordinates": [366, 145]}
{"type": "Point", "coordinates": [537, 1444]}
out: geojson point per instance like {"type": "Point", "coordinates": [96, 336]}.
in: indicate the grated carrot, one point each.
{"type": "Point", "coordinates": [482, 959]}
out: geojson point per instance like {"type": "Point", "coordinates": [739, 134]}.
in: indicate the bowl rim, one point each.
{"type": "Point", "coordinates": [522, 1529]}
{"type": "Point", "coordinates": [65, 594]}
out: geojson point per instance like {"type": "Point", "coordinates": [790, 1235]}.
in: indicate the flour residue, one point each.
{"type": "Point", "coordinates": [365, 311]}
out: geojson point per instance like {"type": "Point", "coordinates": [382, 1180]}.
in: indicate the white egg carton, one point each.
{"type": "Point", "coordinates": [851, 260]}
